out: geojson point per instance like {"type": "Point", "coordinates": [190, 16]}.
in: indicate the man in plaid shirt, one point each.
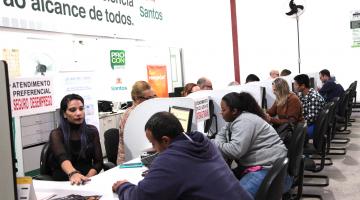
{"type": "Point", "coordinates": [311, 100]}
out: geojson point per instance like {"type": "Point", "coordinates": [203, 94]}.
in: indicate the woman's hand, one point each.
{"type": "Point", "coordinates": [117, 184]}
{"type": "Point", "coordinates": [78, 179]}
{"type": "Point", "coordinates": [268, 117]}
{"type": "Point", "coordinates": [92, 172]}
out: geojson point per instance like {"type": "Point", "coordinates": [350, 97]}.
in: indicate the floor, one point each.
{"type": "Point", "coordinates": [344, 174]}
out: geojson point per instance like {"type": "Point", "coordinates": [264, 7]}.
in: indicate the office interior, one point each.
{"type": "Point", "coordinates": [193, 39]}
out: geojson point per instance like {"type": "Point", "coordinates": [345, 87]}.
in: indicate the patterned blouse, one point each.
{"type": "Point", "coordinates": [121, 148]}
{"type": "Point", "coordinates": [313, 103]}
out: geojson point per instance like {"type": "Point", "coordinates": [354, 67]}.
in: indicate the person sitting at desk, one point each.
{"type": "Point", "coordinates": [140, 92]}
{"type": "Point", "coordinates": [312, 102]}
{"type": "Point", "coordinates": [74, 145]}
{"type": "Point", "coordinates": [248, 140]}
{"type": "Point", "coordinates": [189, 88]}
{"type": "Point", "coordinates": [330, 88]}
{"type": "Point", "coordinates": [204, 83]}
{"type": "Point", "coordinates": [287, 106]}
{"type": "Point", "coordinates": [188, 166]}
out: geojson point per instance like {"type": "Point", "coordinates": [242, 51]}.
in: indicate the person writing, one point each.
{"type": "Point", "coordinates": [287, 106]}
{"type": "Point", "coordinates": [74, 146]}
{"type": "Point", "coordinates": [248, 140]}
{"type": "Point", "coordinates": [189, 88]}
{"type": "Point", "coordinates": [188, 166]}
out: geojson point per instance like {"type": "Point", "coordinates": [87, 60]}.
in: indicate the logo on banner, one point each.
{"type": "Point", "coordinates": [117, 59]}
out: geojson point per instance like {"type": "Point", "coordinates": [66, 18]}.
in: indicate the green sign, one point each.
{"type": "Point", "coordinates": [117, 59]}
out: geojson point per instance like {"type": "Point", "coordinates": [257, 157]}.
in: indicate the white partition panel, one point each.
{"type": "Point", "coordinates": [134, 133]}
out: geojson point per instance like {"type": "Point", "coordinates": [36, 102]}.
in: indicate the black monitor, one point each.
{"type": "Point", "coordinates": [184, 115]}
{"type": "Point", "coordinates": [177, 91]}
{"type": "Point", "coordinates": [312, 82]}
{"type": "Point", "coordinates": [7, 150]}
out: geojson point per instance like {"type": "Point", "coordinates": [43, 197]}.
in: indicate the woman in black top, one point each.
{"type": "Point", "coordinates": [75, 145]}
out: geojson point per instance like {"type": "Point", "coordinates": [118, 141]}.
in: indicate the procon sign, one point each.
{"type": "Point", "coordinates": [117, 59]}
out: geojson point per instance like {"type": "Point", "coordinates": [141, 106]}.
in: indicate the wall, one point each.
{"type": "Point", "coordinates": [203, 29]}
{"type": "Point", "coordinates": [268, 40]}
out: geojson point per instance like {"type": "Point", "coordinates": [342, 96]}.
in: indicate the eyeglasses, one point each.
{"type": "Point", "coordinates": [148, 97]}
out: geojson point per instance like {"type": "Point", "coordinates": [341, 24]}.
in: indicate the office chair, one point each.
{"type": "Point", "coordinates": [296, 160]}
{"type": "Point", "coordinates": [111, 141]}
{"type": "Point", "coordinates": [317, 148]}
{"type": "Point", "coordinates": [272, 186]}
{"type": "Point", "coordinates": [209, 122]}
{"type": "Point", "coordinates": [45, 173]}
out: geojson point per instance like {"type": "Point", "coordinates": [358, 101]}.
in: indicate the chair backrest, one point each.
{"type": "Point", "coordinates": [272, 186]}
{"type": "Point", "coordinates": [212, 121]}
{"type": "Point", "coordinates": [343, 104]}
{"type": "Point", "coordinates": [44, 158]}
{"type": "Point", "coordinates": [111, 141]}
{"type": "Point", "coordinates": [296, 148]}
{"type": "Point", "coordinates": [332, 117]}
{"type": "Point", "coordinates": [321, 128]}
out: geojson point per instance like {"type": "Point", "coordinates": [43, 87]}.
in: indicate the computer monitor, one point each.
{"type": "Point", "coordinates": [312, 82]}
{"type": "Point", "coordinates": [7, 150]}
{"type": "Point", "coordinates": [184, 115]}
{"type": "Point", "coordinates": [177, 91]}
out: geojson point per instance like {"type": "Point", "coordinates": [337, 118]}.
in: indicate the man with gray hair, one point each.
{"type": "Point", "coordinates": [204, 83]}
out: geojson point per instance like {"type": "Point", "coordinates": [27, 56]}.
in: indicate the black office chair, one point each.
{"type": "Point", "coordinates": [45, 172]}
{"type": "Point", "coordinates": [209, 122]}
{"type": "Point", "coordinates": [296, 160]}
{"type": "Point", "coordinates": [111, 141]}
{"type": "Point", "coordinates": [272, 186]}
{"type": "Point", "coordinates": [317, 148]}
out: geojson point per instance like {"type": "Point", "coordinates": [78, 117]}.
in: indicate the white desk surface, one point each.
{"type": "Point", "coordinates": [100, 184]}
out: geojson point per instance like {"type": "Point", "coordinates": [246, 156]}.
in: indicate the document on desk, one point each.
{"type": "Point", "coordinates": [45, 195]}
{"type": "Point", "coordinates": [78, 197]}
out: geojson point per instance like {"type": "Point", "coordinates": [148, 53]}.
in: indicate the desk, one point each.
{"type": "Point", "coordinates": [100, 184]}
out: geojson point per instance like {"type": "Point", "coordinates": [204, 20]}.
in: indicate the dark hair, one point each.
{"type": "Point", "coordinates": [244, 102]}
{"type": "Point", "coordinates": [325, 72]}
{"type": "Point", "coordinates": [251, 78]}
{"type": "Point", "coordinates": [187, 89]}
{"type": "Point", "coordinates": [285, 72]}
{"type": "Point", "coordinates": [302, 79]}
{"type": "Point", "coordinates": [164, 124]}
{"type": "Point", "coordinates": [65, 126]}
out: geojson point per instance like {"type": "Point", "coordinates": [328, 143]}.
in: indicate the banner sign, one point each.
{"type": "Point", "coordinates": [31, 96]}
{"type": "Point", "coordinates": [113, 18]}
{"type": "Point", "coordinates": [355, 27]}
{"type": "Point", "coordinates": [202, 112]}
{"type": "Point", "coordinates": [157, 78]}
{"type": "Point", "coordinates": [81, 83]}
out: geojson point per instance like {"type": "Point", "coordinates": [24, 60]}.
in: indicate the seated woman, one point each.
{"type": "Point", "coordinates": [248, 140]}
{"type": "Point", "coordinates": [189, 88]}
{"type": "Point", "coordinates": [140, 92]}
{"type": "Point", "coordinates": [75, 145]}
{"type": "Point", "coordinates": [287, 106]}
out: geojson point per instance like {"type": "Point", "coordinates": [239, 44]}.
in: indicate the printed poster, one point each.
{"type": "Point", "coordinates": [157, 78]}
{"type": "Point", "coordinates": [355, 27]}
{"type": "Point", "coordinates": [11, 56]}
{"type": "Point", "coordinates": [31, 96]}
{"type": "Point", "coordinates": [202, 111]}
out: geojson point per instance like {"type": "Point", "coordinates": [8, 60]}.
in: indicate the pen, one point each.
{"type": "Point", "coordinates": [131, 165]}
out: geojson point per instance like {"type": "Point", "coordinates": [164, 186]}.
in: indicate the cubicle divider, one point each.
{"type": "Point", "coordinates": [134, 132]}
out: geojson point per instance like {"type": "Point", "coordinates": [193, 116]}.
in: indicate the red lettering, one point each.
{"type": "Point", "coordinates": [20, 104]}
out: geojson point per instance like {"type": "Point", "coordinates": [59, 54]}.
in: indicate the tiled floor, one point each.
{"type": "Point", "coordinates": [344, 174]}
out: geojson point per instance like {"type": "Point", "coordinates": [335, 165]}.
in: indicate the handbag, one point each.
{"type": "Point", "coordinates": [285, 132]}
